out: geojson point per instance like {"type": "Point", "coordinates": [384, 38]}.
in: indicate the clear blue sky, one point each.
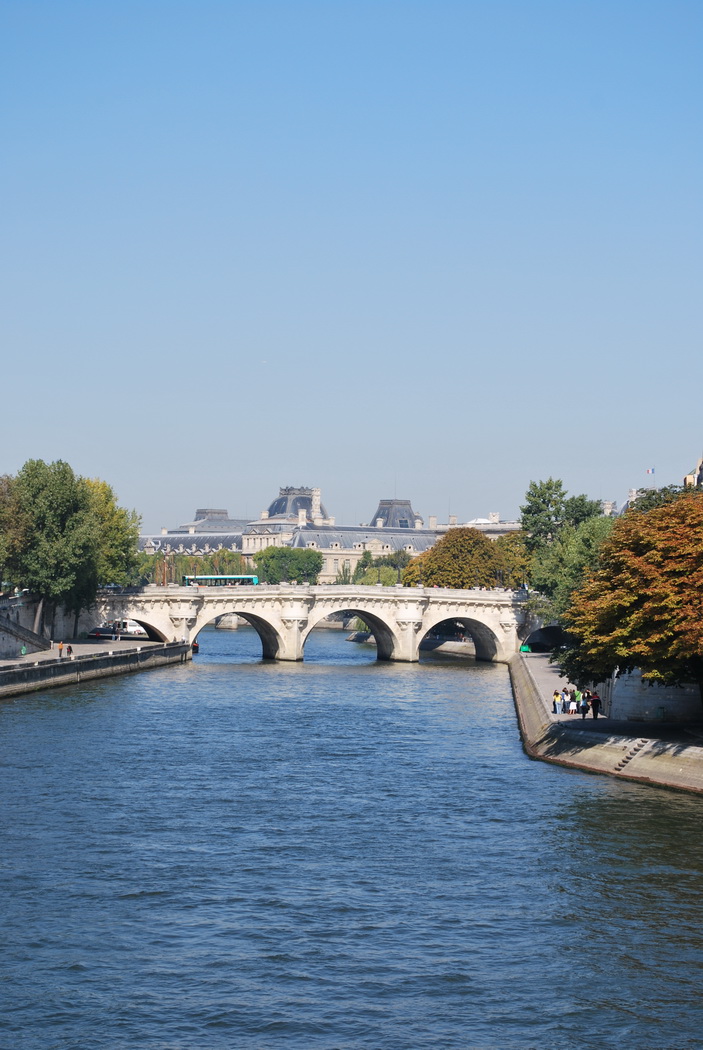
{"type": "Point", "coordinates": [437, 249]}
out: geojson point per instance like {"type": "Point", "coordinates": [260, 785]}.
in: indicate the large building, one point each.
{"type": "Point", "coordinates": [297, 518]}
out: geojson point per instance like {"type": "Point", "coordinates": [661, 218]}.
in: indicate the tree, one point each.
{"type": "Point", "coordinates": [367, 569]}
{"type": "Point", "coordinates": [364, 563]}
{"type": "Point", "coordinates": [643, 606]}
{"type": "Point", "coordinates": [384, 574]}
{"type": "Point", "coordinates": [118, 535]}
{"type": "Point", "coordinates": [512, 559]}
{"type": "Point", "coordinates": [462, 558]}
{"type": "Point", "coordinates": [543, 512]}
{"type": "Point", "coordinates": [558, 569]}
{"type": "Point", "coordinates": [547, 510]}
{"type": "Point", "coordinates": [649, 499]}
{"type": "Point", "coordinates": [289, 564]}
{"type": "Point", "coordinates": [53, 537]}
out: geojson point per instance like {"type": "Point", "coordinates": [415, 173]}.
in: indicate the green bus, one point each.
{"type": "Point", "coordinates": [220, 581]}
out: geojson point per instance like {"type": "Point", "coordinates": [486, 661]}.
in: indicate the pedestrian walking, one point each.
{"type": "Point", "coordinates": [60, 650]}
{"type": "Point", "coordinates": [595, 704]}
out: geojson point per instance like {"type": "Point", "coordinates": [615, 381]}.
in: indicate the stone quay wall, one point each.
{"type": "Point", "coordinates": [669, 759]}
{"type": "Point", "coordinates": [28, 677]}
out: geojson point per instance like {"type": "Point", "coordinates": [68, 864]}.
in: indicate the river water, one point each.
{"type": "Point", "coordinates": [332, 854]}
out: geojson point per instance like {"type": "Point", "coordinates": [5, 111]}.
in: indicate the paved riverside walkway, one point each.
{"type": "Point", "coordinates": [656, 753]}
{"type": "Point", "coordinates": [548, 677]}
{"type": "Point", "coordinates": [85, 647]}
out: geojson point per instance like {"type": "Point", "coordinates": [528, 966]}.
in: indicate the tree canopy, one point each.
{"type": "Point", "coordinates": [512, 560]}
{"type": "Point", "coordinates": [462, 558]}
{"type": "Point", "coordinates": [643, 606]}
{"type": "Point", "coordinates": [62, 535]}
{"type": "Point", "coordinates": [548, 508]}
{"type": "Point", "coordinates": [289, 564]}
{"type": "Point", "coordinates": [559, 568]}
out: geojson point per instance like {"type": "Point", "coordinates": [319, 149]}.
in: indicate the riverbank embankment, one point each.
{"type": "Point", "coordinates": [46, 670]}
{"type": "Point", "coordinates": [668, 755]}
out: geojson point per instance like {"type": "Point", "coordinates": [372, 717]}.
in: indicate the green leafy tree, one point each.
{"type": "Point", "coordinates": [559, 568]}
{"type": "Point", "coordinates": [384, 574]}
{"type": "Point", "coordinates": [462, 558]}
{"type": "Point", "coordinates": [118, 535]}
{"type": "Point", "coordinates": [650, 499]}
{"type": "Point", "coordinates": [289, 564]}
{"type": "Point", "coordinates": [364, 563]}
{"type": "Point", "coordinates": [53, 545]}
{"type": "Point", "coordinates": [643, 606]}
{"type": "Point", "coordinates": [344, 575]}
{"type": "Point", "coordinates": [512, 560]}
{"type": "Point", "coordinates": [547, 509]}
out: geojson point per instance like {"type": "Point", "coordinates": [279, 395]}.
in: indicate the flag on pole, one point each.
{"type": "Point", "coordinates": [650, 470]}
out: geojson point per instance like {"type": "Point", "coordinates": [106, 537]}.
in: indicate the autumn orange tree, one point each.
{"type": "Point", "coordinates": [643, 606]}
{"type": "Point", "coordinates": [462, 558]}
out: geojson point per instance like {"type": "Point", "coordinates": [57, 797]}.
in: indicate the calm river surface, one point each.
{"type": "Point", "coordinates": [333, 854]}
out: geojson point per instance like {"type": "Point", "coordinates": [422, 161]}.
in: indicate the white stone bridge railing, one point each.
{"type": "Point", "coordinates": [284, 614]}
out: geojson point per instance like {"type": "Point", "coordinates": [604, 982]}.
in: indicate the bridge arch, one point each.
{"type": "Point", "coordinates": [387, 642]}
{"type": "Point", "coordinates": [487, 644]}
{"type": "Point", "coordinates": [272, 643]}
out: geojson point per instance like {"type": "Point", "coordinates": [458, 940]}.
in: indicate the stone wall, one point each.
{"type": "Point", "coordinates": [631, 699]}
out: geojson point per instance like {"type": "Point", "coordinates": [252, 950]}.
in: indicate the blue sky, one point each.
{"type": "Point", "coordinates": [431, 249]}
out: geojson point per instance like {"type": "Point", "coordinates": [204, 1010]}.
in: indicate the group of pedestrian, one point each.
{"type": "Point", "coordinates": [571, 701]}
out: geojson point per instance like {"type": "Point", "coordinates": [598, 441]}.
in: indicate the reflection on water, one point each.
{"type": "Point", "coordinates": [336, 853]}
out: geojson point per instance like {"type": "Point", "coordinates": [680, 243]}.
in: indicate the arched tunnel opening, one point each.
{"type": "Point", "coordinates": [545, 640]}
{"type": "Point", "coordinates": [459, 636]}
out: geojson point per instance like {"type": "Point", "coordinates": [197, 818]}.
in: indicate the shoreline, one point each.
{"type": "Point", "coordinates": [44, 670]}
{"type": "Point", "coordinates": [660, 754]}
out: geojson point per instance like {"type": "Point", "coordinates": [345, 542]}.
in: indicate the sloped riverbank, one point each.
{"type": "Point", "coordinates": [650, 753]}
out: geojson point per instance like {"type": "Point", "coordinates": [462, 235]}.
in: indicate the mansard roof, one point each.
{"type": "Point", "coordinates": [209, 520]}
{"type": "Point", "coordinates": [290, 501]}
{"type": "Point", "coordinates": [396, 514]}
{"type": "Point", "coordinates": [351, 538]}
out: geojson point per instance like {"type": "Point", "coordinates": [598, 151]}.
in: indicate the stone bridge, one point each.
{"type": "Point", "coordinates": [283, 615]}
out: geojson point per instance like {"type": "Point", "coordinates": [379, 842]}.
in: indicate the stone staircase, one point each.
{"type": "Point", "coordinates": [631, 754]}
{"type": "Point", "coordinates": [23, 634]}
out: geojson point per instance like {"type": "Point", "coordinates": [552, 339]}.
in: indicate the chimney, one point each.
{"type": "Point", "coordinates": [302, 517]}
{"type": "Point", "coordinates": [433, 521]}
{"type": "Point", "coordinates": [379, 523]}
{"type": "Point", "coordinates": [452, 520]}
{"type": "Point", "coordinates": [264, 515]}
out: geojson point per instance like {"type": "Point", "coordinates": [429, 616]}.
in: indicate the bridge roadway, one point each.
{"type": "Point", "coordinates": [283, 615]}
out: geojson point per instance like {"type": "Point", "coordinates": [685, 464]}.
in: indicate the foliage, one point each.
{"type": "Point", "coordinates": [547, 509]}
{"type": "Point", "coordinates": [163, 568]}
{"type": "Point", "coordinates": [462, 558]}
{"type": "Point", "coordinates": [53, 534]}
{"type": "Point", "coordinates": [386, 569]}
{"type": "Point", "coordinates": [512, 560]}
{"type": "Point", "coordinates": [344, 575]}
{"type": "Point", "coordinates": [558, 569]}
{"type": "Point", "coordinates": [289, 564]}
{"type": "Point", "coordinates": [384, 574]}
{"type": "Point", "coordinates": [118, 535]}
{"type": "Point", "coordinates": [650, 499]}
{"type": "Point", "coordinates": [62, 535]}
{"type": "Point", "coordinates": [643, 606]}
{"type": "Point", "coordinates": [364, 563]}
